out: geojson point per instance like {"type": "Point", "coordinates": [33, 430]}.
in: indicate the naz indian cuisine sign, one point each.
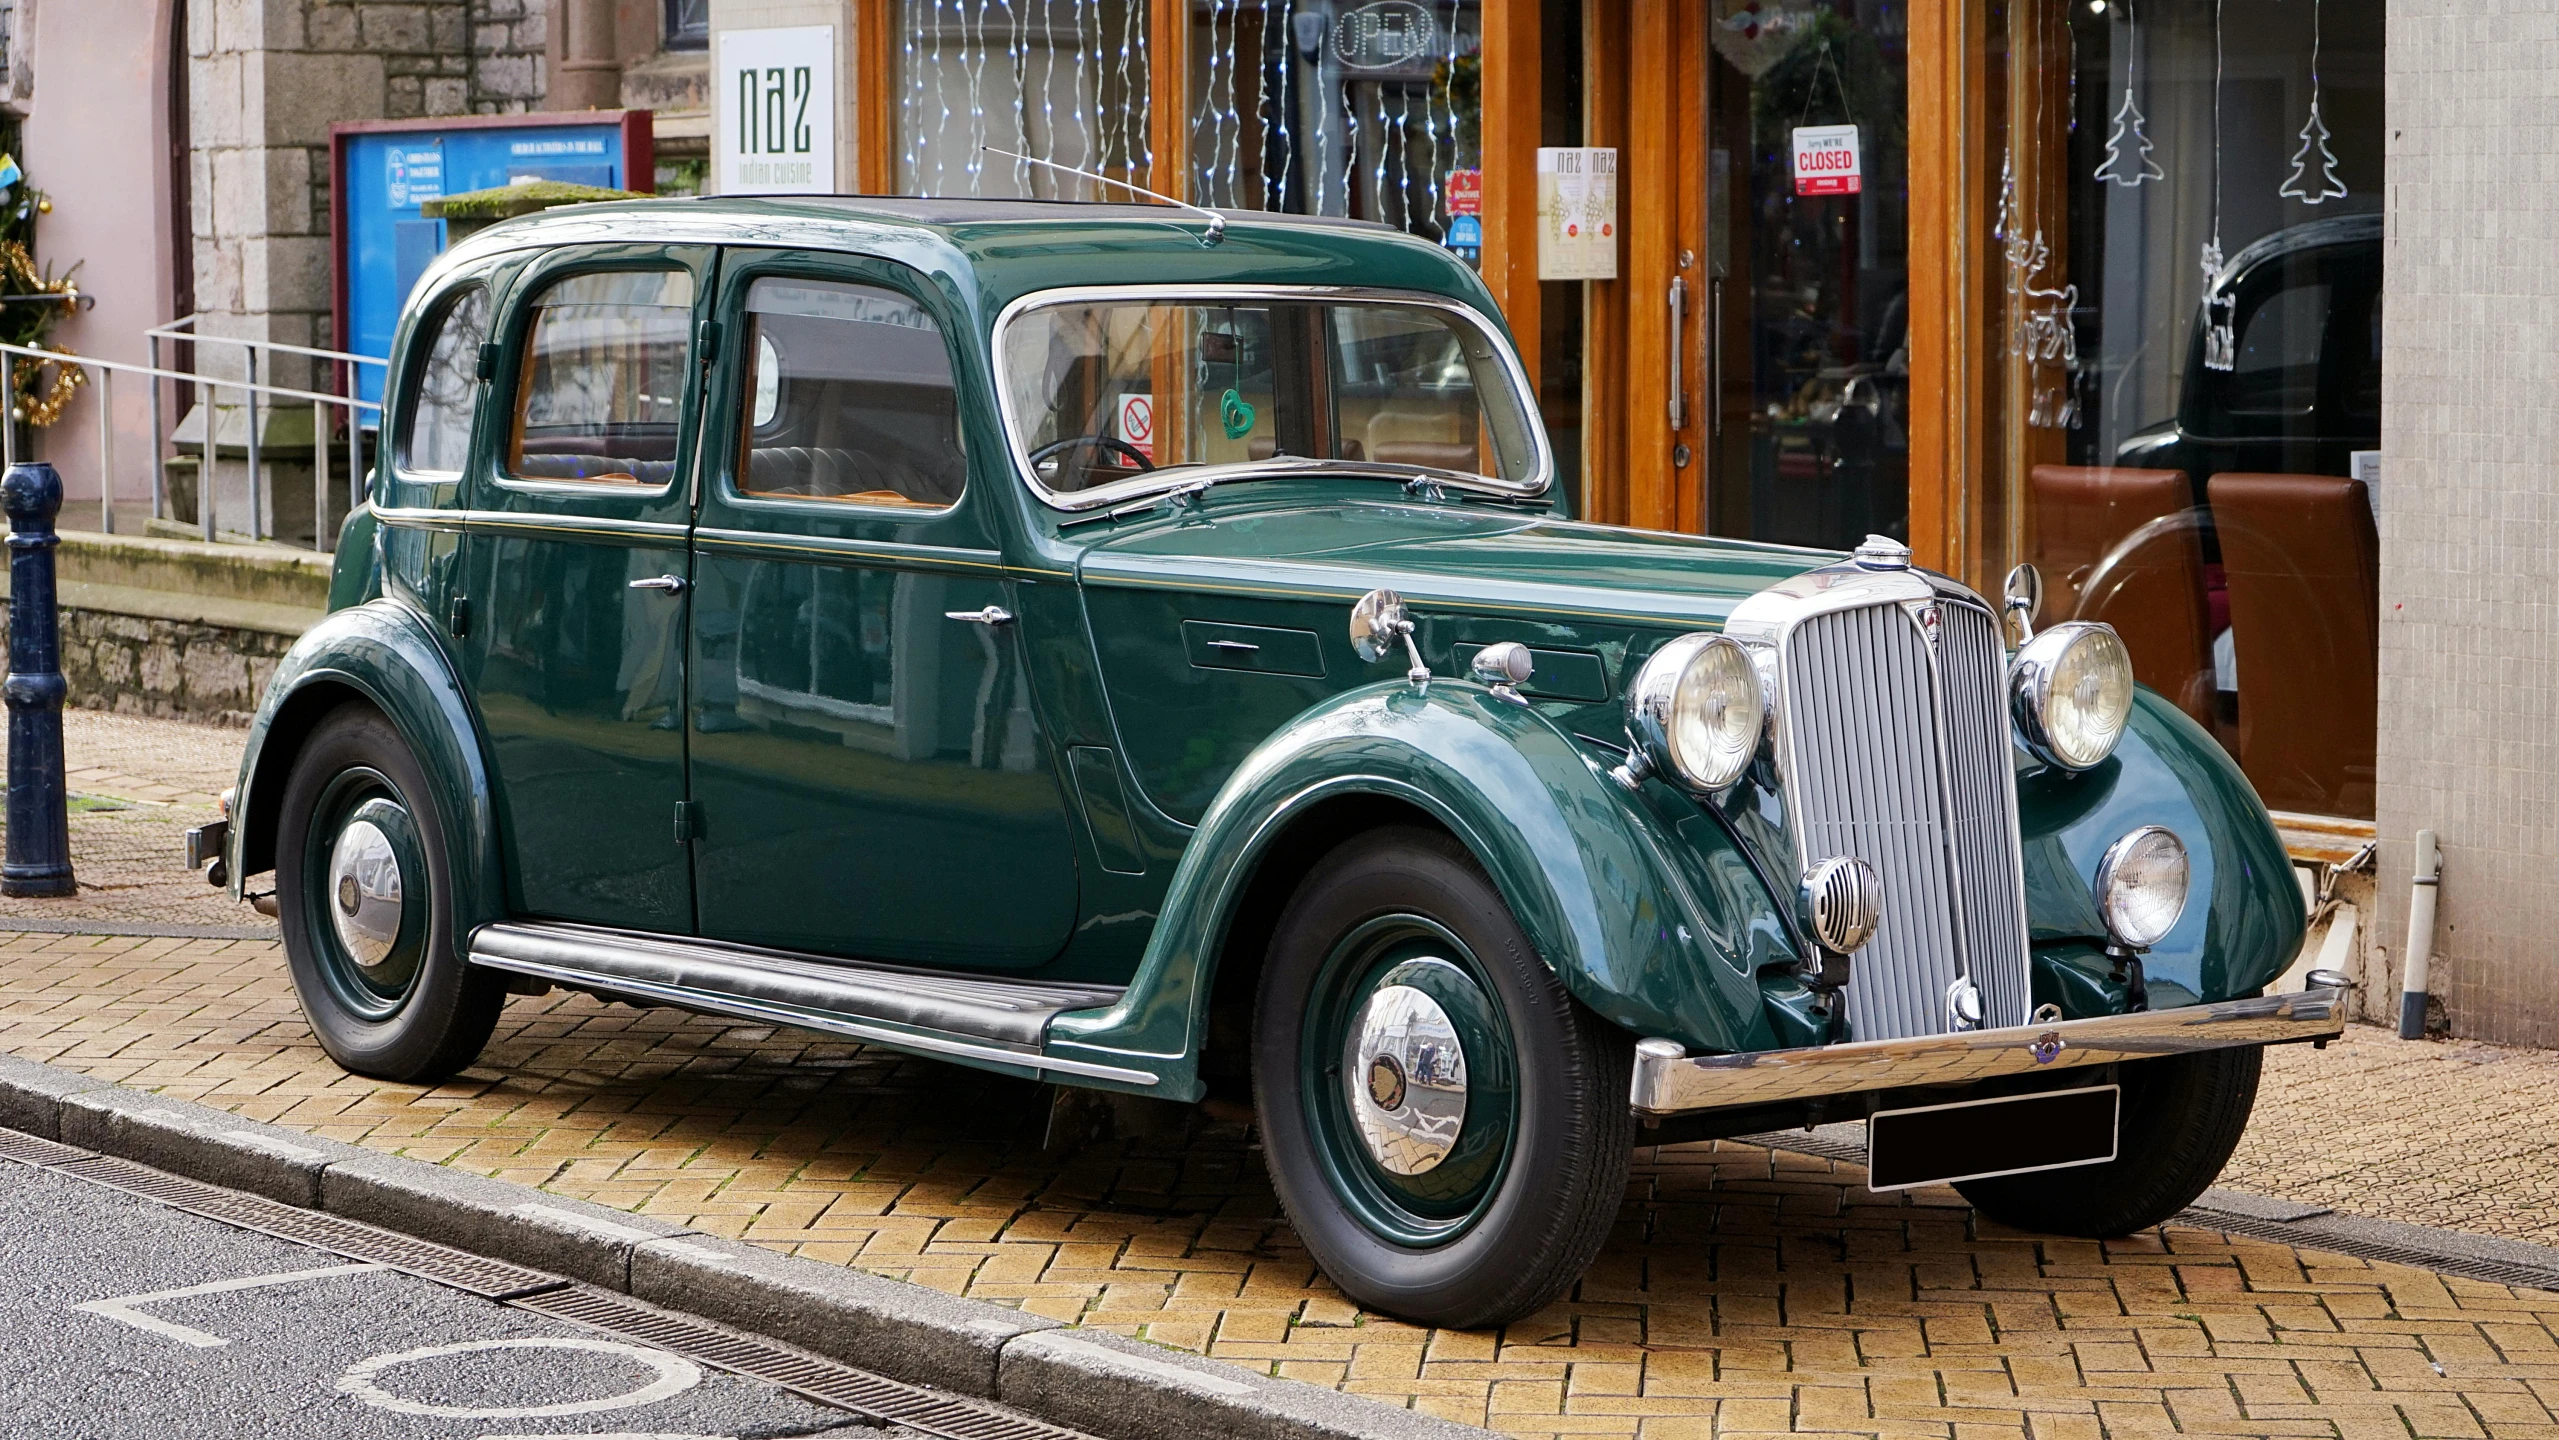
{"type": "Point", "coordinates": [776, 110]}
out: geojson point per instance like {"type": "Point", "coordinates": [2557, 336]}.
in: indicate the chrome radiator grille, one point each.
{"type": "Point", "coordinates": [1905, 765]}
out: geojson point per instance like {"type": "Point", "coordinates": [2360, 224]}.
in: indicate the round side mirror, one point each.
{"type": "Point", "coordinates": [2025, 597]}
{"type": "Point", "coordinates": [1379, 622]}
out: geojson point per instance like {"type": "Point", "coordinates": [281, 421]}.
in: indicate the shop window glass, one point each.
{"type": "Point", "coordinates": [604, 379]}
{"type": "Point", "coordinates": [436, 438]}
{"type": "Point", "coordinates": [1062, 80]}
{"type": "Point", "coordinates": [2277, 372]}
{"type": "Point", "coordinates": [851, 398]}
{"type": "Point", "coordinates": [1372, 111]}
{"type": "Point", "coordinates": [2188, 363]}
{"type": "Point", "coordinates": [1811, 443]}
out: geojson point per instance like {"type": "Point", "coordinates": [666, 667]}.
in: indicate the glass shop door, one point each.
{"type": "Point", "coordinates": [1805, 304]}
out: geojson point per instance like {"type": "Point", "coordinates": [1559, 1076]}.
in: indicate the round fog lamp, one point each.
{"type": "Point", "coordinates": [1696, 709]}
{"type": "Point", "coordinates": [2141, 887]}
{"type": "Point", "coordinates": [2073, 692]}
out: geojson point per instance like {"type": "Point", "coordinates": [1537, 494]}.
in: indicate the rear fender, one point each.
{"type": "Point", "coordinates": [383, 653]}
{"type": "Point", "coordinates": [1658, 939]}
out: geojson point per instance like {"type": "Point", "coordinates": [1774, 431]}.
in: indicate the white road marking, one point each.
{"type": "Point", "coordinates": [588, 1223]}
{"type": "Point", "coordinates": [675, 1376]}
{"type": "Point", "coordinates": [123, 1307]}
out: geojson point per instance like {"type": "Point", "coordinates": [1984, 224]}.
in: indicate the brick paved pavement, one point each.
{"type": "Point", "coordinates": [138, 784]}
{"type": "Point", "coordinates": [1745, 1291]}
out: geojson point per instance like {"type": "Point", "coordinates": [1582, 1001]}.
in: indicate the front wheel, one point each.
{"type": "Point", "coordinates": [366, 905]}
{"type": "Point", "coordinates": [2182, 1116]}
{"type": "Point", "coordinates": [1446, 1127]}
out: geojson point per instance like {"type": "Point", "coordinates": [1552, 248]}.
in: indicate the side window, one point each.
{"type": "Point", "coordinates": [849, 397]}
{"type": "Point", "coordinates": [435, 436]}
{"type": "Point", "coordinates": [604, 379]}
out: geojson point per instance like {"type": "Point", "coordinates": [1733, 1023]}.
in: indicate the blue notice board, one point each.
{"type": "Point", "coordinates": [385, 169]}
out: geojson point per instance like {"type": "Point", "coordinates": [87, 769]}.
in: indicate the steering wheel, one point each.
{"type": "Point", "coordinates": [1099, 442]}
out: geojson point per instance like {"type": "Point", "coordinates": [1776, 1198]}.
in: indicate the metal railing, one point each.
{"type": "Point", "coordinates": [102, 374]}
{"type": "Point", "coordinates": [342, 371]}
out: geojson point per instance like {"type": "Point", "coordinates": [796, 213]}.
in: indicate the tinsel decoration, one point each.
{"type": "Point", "coordinates": [28, 321]}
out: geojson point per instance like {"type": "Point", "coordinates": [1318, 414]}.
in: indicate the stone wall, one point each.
{"type": "Point", "coordinates": [140, 665]}
{"type": "Point", "coordinates": [266, 79]}
{"type": "Point", "coordinates": [2470, 507]}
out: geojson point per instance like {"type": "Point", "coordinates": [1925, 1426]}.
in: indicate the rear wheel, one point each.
{"type": "Point", "coordinates": [1447, 1128]}
{"type": "Point", "coordinates": [366, 904]}
{"type": "Point", "coordinates": [2182, 1116]}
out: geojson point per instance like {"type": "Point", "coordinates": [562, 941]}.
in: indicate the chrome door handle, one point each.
{"type": "Point", "coordinates": [671, 584]}
{"type": "Point", "coordinates": [991, 615]}
{"type": "Point", "coordinates": [1678, 323]}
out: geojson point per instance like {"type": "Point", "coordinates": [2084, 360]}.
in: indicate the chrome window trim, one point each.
{"type": "Point", "coordinates": [1157, 482]}
{"type": "Point", "coordinates": [1769, 619]}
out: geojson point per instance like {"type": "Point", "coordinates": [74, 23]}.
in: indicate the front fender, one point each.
{"type": "Point", "coordinates": [385, 653]}
{"type": "Point", "coordinates": [2244, 916]}
{"type": "Point", "coordinates": [1656, 939]}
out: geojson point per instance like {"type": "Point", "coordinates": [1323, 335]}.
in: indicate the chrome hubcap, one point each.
{"type": "Point", "coordinates": [1406, 1073]}
{"type": "Point", "coordinates": [365, 892]}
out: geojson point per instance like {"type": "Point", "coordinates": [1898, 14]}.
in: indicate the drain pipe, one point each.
{"type": "Point", "coordinates": [2421, 937]}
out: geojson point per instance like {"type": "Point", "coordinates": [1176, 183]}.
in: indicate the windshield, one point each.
{"type": "Point", "coordinates": [1104, 393]}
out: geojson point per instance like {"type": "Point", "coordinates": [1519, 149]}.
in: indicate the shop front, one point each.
{"type": "Point", "coordinates": [2090, 283]}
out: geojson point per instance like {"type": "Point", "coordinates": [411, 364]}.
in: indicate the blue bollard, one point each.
{"type": "Point", "coordinates": [39, 848]}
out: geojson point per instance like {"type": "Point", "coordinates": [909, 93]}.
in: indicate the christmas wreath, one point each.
{"type": "Point", "coordinates": [32, 299]}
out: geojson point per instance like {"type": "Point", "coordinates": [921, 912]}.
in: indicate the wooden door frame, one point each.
{"type": "Point", "coordinates": [1952, 303]}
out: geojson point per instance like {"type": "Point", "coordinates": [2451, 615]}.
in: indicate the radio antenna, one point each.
{"type": "Point", "coordinates": [1214, 222]}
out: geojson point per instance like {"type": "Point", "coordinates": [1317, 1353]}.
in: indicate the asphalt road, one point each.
{"type": "Point", "coordinates": [297, 1343]}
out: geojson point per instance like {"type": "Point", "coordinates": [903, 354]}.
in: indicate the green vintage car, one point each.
{"type": "Point", "coordinates": [1152, 655]}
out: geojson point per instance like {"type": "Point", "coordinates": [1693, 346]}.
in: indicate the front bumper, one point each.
{"type": "Point", "coordinates": [1671, 1082]}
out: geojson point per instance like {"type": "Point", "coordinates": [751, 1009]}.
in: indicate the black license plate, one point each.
{"type": "Point", "coordinates": [1977, 1139]}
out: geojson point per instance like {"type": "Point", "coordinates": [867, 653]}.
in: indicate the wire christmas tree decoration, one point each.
{"type": "Point", "coordinates": [2130, 167]}
{"type": "Point", "coordinates": [2314, 136]}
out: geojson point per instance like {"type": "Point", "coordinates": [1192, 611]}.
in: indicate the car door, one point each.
{"type": "Point", "coordinates": [570, 613]}
{"type": "Point", "coordinates": [873, 778]}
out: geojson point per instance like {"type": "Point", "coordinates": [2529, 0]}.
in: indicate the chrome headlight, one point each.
{"type": "Point", "coordinates": [1697, 711]}
{"type": "Point", "coordinates": [2071, 690]}
{"type": "Point", "coordinates": [2141, 887]}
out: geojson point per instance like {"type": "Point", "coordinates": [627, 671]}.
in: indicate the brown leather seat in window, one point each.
{"type": "Point", "coordinates": [2304, 568]}
{"type": "Point", "coordinates": [2124, 547]}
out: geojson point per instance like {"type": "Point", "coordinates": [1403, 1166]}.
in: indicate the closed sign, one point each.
{"type": "Point", "coordinates": [1826, 160]}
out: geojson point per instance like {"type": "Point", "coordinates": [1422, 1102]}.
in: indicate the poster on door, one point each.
{"type": "Point", "coordinates": [1826, 160]}
{"type": "Point", "coordinates": [773, 111]}
{"type": "Point", "coordinates": [1576, 213]}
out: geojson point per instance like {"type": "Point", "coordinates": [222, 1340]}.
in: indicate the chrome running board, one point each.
{"type": "Point", "coordinates": [1670, 1082]}
{"type": "Point", "coordinates": [934, 1012]}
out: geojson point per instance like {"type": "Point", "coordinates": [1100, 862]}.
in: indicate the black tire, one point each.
{"type": "Point", "coordinates": [2182, 1116]}
{"type": "Point", "coordinates": [1525, 1194]}
{"type": "Point", "coordinates": [419, 1012]}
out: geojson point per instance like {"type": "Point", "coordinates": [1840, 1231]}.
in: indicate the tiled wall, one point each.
{"type": "Point", "coordinates": [2470, 505]}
